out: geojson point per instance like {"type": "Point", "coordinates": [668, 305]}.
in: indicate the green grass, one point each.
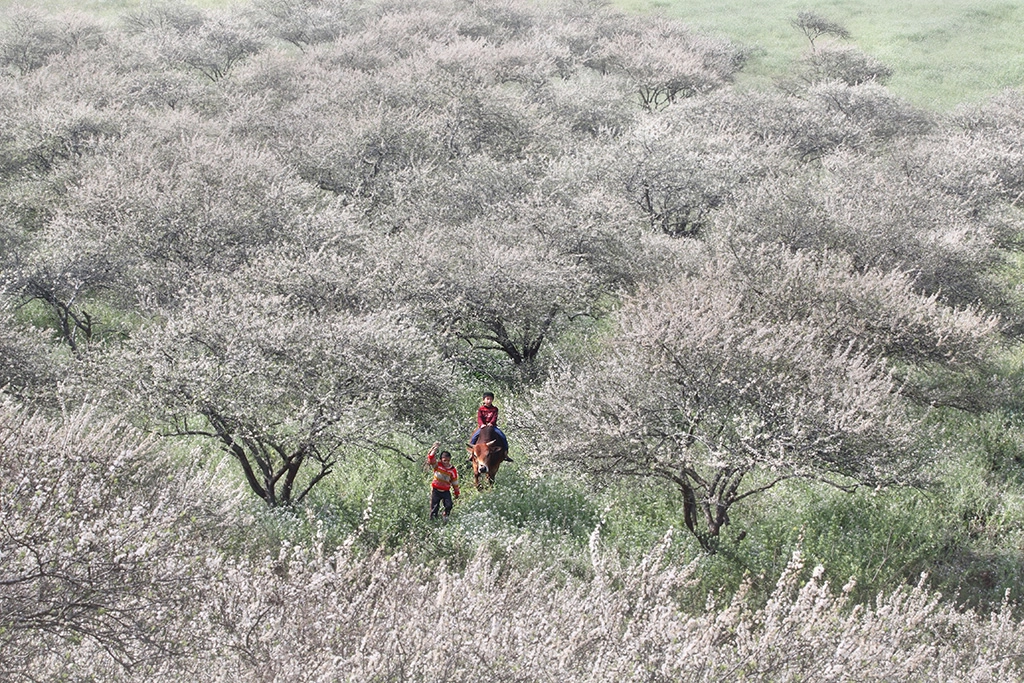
{"type": "Point", "coordinates": [943, 54]}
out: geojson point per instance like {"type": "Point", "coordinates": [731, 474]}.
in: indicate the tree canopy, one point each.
{"type": "Point", "coordinates": [301, 236]}
{"type": "Point", "coordinates": [295, 245]}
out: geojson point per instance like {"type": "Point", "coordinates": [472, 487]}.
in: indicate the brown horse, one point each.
{"type": "Point", "coordinates": [487, 455]}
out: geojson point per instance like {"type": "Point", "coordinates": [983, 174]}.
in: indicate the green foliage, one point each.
{"type": "Point", "coordinates": [384, 501]}
{"type": "Point", "coordinates": [881, 538]}
{"type": "Point", "coordinates": [544, 507]}
{"type": "Point", "coordinates": [634, 515]}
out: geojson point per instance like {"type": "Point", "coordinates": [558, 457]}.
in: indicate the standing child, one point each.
{"type": "Point", "coordinates": [487, 414]}
{"type": "Point", "coordinates": [444, 484]}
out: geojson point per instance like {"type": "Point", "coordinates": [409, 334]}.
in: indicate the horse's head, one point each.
{"type": "Point", "coordinates": [486, 455]}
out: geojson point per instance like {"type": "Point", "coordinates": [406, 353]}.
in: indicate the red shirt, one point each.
{"type": "Point", "coordinates": [486, 415]}
{"type": "Point", "coordinates": [445, 476]}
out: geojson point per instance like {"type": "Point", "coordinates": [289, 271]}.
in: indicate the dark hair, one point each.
{"type": "Point", "coordinates": [488, 394]}
{"type": "Point", "coordinates": [444, 454]}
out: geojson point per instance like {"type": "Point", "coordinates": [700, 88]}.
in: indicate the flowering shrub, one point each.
{"type": "Point", "coordinates": [302, 253]}
{"type": "Point", "coordinates": [102, 547]}
{"type": "Point", "coordinates": [25, 365]}
{"type": "Point", "coordinates": [117, 568]}
{"type": "Point", "coordinates": [281, 389]}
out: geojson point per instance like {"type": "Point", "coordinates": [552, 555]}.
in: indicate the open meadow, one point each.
{"type": "Point", "coordinates": [942, 53]}
{"type": "Point", "coordinates": [745, 284]}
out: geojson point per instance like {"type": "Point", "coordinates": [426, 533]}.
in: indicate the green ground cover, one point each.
{"type": "Point", "coordinates": [942, 53]}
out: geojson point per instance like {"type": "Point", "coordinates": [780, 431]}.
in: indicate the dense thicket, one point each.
{"type": "Point", "coordinates": [112, 572]}
{"type": "Point", "coordinates": [303, 235]}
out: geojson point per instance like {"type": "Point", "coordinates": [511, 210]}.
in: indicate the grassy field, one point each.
{"type": "Point", "coordinates": [943, 53]}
